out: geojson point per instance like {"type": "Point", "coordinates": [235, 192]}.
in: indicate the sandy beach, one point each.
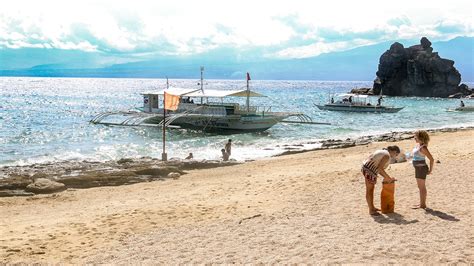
{"type": "Point", "coordinates": [302, 208]}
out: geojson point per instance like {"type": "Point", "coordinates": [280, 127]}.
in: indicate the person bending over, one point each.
{"type": "Point", "coordinates": [372, 167]}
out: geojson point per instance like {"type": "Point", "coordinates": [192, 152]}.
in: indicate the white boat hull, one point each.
{"type": "Point", "coordinates": [231, 124]}
{"type": "Point", "coordinates": [465, 109]}
{"type": "Point", "coordinates": [359, 108]}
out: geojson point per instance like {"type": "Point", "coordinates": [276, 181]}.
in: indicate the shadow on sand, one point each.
{"type": "Point", "coordinates": [441, 215]}
{"type": "Point", "coordinates": [392, 218]}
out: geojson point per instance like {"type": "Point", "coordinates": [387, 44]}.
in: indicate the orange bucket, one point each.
{"type": "Point", "coordinates": [387, 198]}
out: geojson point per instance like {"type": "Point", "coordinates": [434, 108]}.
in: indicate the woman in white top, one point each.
{"type": "Point", "coordinates": [372, 167]}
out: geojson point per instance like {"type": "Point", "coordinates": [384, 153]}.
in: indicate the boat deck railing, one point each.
{"type": "Point", "coordinates": [253, 109]}
{"type": "Point", "coordinates": [201, 109]}
{"type": "Point", "coordinates": [221, 109]}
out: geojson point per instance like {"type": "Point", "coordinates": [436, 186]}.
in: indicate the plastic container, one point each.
{"type": "Point", "coordinates": [387, 198]}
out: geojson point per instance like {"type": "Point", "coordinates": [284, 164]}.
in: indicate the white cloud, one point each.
{"type": "Point", "coordinates": [185, 27]}
{"type": "Point", "coordinates": [84, 46]}
{"type": "Point", "coordinates": [318, 48]}
{"type": "Point", "coordinates": [312, 49]}
{"type": "Point", "coordinates": [20, 44]}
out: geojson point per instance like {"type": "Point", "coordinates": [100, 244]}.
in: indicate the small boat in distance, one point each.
{"type": "Point", "coordinates": [357, 103]}
{"type": "Point", "coordinates": [465, 109]}
{"type": "Point", "coordinates": [462, 108]}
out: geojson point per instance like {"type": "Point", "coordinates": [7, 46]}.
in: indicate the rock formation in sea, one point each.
{"type": "Point", "coordinates": [417, 71]}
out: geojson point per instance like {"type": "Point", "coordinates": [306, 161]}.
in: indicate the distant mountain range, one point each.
{"type": "Point", "coordinates": [355, 64]}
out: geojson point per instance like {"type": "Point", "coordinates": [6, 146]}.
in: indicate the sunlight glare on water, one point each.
{"type": "Point", "coordinates": [47, 119]}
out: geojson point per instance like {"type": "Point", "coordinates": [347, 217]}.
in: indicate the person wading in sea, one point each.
{"type": "Point", "coordinates": [225, 155]}
{"type": "Point", "coordinates": [228, 147]}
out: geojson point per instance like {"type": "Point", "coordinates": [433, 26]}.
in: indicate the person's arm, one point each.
{"type": "Point", "coordinates": [381, 167]}
{"type": "Point", "coordinates": [424, 150]}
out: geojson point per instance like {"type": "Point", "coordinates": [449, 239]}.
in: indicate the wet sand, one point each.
{"type": "Point", "coordinates": [300, 208]}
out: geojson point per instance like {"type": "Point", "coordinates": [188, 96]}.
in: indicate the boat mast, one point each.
{"type": "Point", "coordinates": [248, 92]}
{"type": "Point", "coordinates": [164, 156]}
{"type": "Point", "coordinates": [202, 81]}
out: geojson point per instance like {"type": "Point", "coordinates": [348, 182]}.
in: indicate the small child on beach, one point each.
{"type": "Point", "coordinates": [419, 163]}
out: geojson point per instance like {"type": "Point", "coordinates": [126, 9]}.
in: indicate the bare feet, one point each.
{"type": "Point", "coordinates": [374, 212]}
{"type": "Point", "coordinates": [419, 207]}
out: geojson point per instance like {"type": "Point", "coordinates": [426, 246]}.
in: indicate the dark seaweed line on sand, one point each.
{"type": "Point", "coordinates": [364, 140]}
{"type": "Point", "coordinates": [54, 177]}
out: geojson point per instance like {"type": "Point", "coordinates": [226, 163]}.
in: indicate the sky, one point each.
{"type": "Point", "coordinates": [278, 29]}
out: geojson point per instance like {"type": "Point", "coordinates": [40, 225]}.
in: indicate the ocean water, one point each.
{"type": "Point", "coordinates": [47, 119]}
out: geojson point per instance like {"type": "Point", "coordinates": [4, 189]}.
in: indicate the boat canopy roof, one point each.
{"type": "Point", "coordinates": [207, 93]}
{"type": "Point", "coordinates": [347, 95]}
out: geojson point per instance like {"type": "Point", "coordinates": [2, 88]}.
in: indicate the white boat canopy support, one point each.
{"type": "Point", "coordinates": [347, 95]}
{"type": "Point", "coordinates": [206, 94]}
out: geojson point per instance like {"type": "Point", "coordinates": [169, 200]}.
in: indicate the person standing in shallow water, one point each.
{"type": "Point", "coordinates": [419, 163]}
{"type": "Point", "coordinates": [225, 155]}
{"type": "Point", "coordinates": [372, 167]}
{"type": "Point", "coordinates": [228, 147]}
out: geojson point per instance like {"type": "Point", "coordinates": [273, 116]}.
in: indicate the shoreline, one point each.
{"type": "Point", "coordinates": [364, 140]}
{"type": "Point", "coordinates": [278, 149]}
{"type": "Point", "coordinates": [29, 180]}
{"type": "Point", "coordinates": [300, 208]}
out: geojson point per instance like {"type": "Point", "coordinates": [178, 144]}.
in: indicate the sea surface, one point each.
{"type": "Point", "coordinates": [47, 119]}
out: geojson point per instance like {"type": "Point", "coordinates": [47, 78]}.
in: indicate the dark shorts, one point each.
{"type": "Point", "coordinates": [369, 174]}
{"type": "Point", "coordinates": [421, 169]}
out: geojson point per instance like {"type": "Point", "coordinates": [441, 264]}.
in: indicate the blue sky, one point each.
{"type": "Point", "coordinates": [136, 30]}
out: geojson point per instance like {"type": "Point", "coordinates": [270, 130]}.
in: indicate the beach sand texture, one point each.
{"type": "Point", "coordinates": [301, 208]}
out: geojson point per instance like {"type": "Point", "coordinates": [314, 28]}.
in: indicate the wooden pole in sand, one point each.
{"type": "Point", "coordinates": [164, 156]}
{"type": "Point", "coordinates": [202, 82]}
{"type": "Point", "coordinates": [248, 93]}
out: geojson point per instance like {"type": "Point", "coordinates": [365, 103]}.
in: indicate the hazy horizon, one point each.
{"type": "Point", "coordinates": [47, 36]}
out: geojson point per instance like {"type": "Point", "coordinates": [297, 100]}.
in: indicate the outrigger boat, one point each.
{"type": "Point", "coordinates": [462, 108]}
{"type": "Point", "coordinates": [211, 113]}
{"type": "Point", "coordinates": [357, 103]}
{"type": "Point", "coordinates": [207, 110]}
